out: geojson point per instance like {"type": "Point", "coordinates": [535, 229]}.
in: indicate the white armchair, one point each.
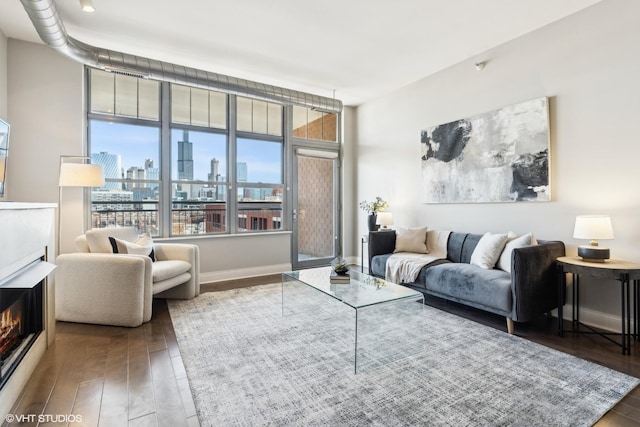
{"type": "Point", "coordinates": [97, 286]}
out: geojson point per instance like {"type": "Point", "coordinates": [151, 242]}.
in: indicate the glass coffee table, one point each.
{"type": "Point", "coordinates": [362, 292]}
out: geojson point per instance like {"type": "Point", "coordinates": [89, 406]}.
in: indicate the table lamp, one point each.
{"type": "Point", "coordinates": [384, 220]}
{"type": "Point", "coordinates": [593, 228]}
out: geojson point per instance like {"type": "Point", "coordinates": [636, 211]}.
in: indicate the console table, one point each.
{"type": "Point", "coordinates": [623, 271]}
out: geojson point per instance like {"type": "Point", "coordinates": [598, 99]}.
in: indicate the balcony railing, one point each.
{"type": "Point", "coordinates": [143, 215]}
{"type": "Point", "coordinates": [187, 217]}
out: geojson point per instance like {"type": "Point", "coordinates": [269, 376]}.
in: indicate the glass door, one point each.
{"type": "Point", "coordinates": [315, 208]}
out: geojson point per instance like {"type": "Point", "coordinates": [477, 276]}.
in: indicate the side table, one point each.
{"type": "Point", "coordinates": [623, 271]}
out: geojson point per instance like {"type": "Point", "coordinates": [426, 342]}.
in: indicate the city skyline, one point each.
{"type": "Point", "coordinates": [138, 144]}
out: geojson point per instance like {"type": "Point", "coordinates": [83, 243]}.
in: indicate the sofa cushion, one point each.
{"type": "Point", "coordinates": [421, 279]}
{"type": "Point", "coordinates": [470, 284]}
{"type": "Point", "coordinates": [379, 265]}
{"type": "Point", "coordinates": [411, 240]}
{"type": "Point", "coordinates": [454, 246]}
{"type": "Point", "coordinates": [488, 250]}
{"type": "Point", "coordinates": [163, 270]}
{"type": "Point", "coordinates": [468, 246]}
{"type": "Point", "coordinates": [514, 241]}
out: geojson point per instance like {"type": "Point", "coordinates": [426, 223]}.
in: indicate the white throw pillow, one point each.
{"type": "Point", "coordinates": [514, 241]}
{"type": "Point", "coordinates": [411, 240]}
{"type": "Point", "coordinates": [142, 246]}
{"type": "Point", "coordinates": [98, 238]}
{"type": "Point", "coordinates": [488, 250]}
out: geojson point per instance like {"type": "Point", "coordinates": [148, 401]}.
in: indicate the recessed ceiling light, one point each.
{"type": "Point", "coordinates": [87, 6]}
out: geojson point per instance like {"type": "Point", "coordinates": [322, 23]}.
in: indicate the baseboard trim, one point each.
{"type": "Point", "coordinates": [243, 273]}
{"type": "Point", "coordinates": [596, 319]}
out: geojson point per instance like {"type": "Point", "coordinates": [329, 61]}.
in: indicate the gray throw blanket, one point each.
{"type": "Point", "coordinates": [404, 267]}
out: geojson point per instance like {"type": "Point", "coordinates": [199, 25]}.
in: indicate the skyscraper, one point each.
{"type": "Point", "coordinates": [134, 173]}
{"type": "Point", "coordinates": [112, 165]}
{"type": "Point", "coordinates": [185, 157]}
{"type": "Point", "coordinates": [215, 166]}
{"type": "Point", "coordinates": [242, 172]}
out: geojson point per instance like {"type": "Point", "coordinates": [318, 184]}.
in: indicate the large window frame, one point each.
{"type": "Point", "coordinates": [166, 182]}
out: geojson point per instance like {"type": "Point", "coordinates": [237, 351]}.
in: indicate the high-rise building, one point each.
{"type": "Point", "coordinates": [112, 165]}
{"type": "Point", "coordinates": [242, 172]}
{"type": "Point", "coordinates": [134, 173]}
{"type": "Point", "coordinates": [185, 157]}
{"type": "Point", "coordinates": [214, 174]}
{"type": "Point", "coordinates": [153, 174]}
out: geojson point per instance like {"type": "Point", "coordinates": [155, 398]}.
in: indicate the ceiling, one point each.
{"type": "Point", "coordinates": [356, 50]}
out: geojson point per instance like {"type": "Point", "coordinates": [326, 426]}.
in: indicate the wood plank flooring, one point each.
{"type": "Point", "coordinates": [113, 376]}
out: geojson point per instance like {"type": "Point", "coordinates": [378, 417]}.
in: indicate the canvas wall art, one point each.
{"type": "Point", "coordinates": [500, 156]}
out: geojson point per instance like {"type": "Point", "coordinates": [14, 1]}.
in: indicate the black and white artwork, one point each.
{"type": "Point", "coordinates": [500, 156]}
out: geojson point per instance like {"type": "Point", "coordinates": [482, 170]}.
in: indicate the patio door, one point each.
{"type": "Point", "coordinates": [315, 208]}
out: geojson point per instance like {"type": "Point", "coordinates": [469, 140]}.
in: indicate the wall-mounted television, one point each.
{"type": "Point", "coordinates": [4, 151]}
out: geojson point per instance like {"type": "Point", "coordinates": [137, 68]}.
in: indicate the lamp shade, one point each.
{"type": "Point", "coordinates": [87, 6]}
{"type": "Point", "coordinates": [81, 175]}
{"type": "Point", "coordinates": [384, 219]}
{"type": "Point", "coordinates": [593, 227]}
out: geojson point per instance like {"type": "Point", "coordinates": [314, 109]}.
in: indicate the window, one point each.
{"type": "Point", "coordinates": [198, 182]}
{"type": "Point", "coordinates": [125, 96]}
{"type": "Point", "coordinates": [177, 181]}
{"type": "Point", "coordinates": [313, 124]}
{"type": "Point", "coordinates": [124, 137]}
{"type": "Point", "coordinates": [259, 116]}
{"type": "Point", "coordinates": [198, 107]}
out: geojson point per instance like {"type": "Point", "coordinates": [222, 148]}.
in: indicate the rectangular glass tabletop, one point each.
{"type": "Point", "coordinates": [361, 291]}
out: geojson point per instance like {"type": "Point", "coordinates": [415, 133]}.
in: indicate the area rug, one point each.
{"type": "Point", "coordinates": [248, 365]}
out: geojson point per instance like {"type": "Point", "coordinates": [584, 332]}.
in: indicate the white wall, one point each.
{"type": "Point", "coordinates": [46, 118]}
{"type": "Point", "coordinates": [588, 65]}
{"type": "Point", "coordinates": [46, 113]}
{"type": "Point", "coordinates": [3, 76]}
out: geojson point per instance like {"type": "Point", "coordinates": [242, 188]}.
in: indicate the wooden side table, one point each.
{"type": "Point", "coordinates": [623, 271]}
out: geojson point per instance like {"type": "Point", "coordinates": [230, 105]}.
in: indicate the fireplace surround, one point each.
{"type": "Point", "coordinates": [27, 315]}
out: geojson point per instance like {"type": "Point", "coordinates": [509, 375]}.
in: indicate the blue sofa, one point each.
{"type": "Point", "coordinates": [528, 291]}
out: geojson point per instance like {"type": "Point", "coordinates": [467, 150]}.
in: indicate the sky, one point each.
{"type": "Point", "coordinates": [137, 143]}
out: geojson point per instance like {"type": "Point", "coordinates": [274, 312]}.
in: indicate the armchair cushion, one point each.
{"type": "Point", "coordinates": [163, 270]}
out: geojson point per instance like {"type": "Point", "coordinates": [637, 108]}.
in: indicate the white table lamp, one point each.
{"type": "Point", "coordinates": [593, 228]}
{"type": "Point", "coordinates": [384, 220]}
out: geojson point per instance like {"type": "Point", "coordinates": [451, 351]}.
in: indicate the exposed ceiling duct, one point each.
{"type": "Point", "coordinates": [44, 15]}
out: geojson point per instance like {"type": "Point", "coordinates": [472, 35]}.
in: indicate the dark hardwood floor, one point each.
{"type": "Point", "coordinates": [113, 376]}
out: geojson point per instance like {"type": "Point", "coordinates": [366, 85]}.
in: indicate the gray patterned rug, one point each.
{"type": "Point", "coordinates": [250, 366]}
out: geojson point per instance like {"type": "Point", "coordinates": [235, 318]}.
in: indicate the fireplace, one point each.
{"type": "Point", "coordinates": [27, 316]}
{"type": "Point", "coordinates": [20, 324]}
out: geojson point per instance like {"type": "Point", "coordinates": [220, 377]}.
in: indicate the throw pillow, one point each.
{"type": "Point", "coordinates": [411, 240]}
{"type": "Point", "coordinates": [514, 241]}
{"type": "Point", "coordinates": [98, 238]}
{"type": "Point", "coordinates": [488, 250]}
{"type": "Point", "coordinates": [142, 246]}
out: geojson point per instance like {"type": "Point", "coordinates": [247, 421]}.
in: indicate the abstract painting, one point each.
{"type": "Point", "coordinates": [500, 156]}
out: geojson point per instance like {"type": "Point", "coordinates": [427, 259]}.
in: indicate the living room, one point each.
{"type": "Point", "coordinates": [585, 63]}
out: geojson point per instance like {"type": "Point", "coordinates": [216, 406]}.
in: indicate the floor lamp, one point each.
{"type": "Point", "coordinates": [77, 171]}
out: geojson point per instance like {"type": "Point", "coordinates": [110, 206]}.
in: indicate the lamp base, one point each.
{"type": "Point", "coordinates": [593, 253]}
